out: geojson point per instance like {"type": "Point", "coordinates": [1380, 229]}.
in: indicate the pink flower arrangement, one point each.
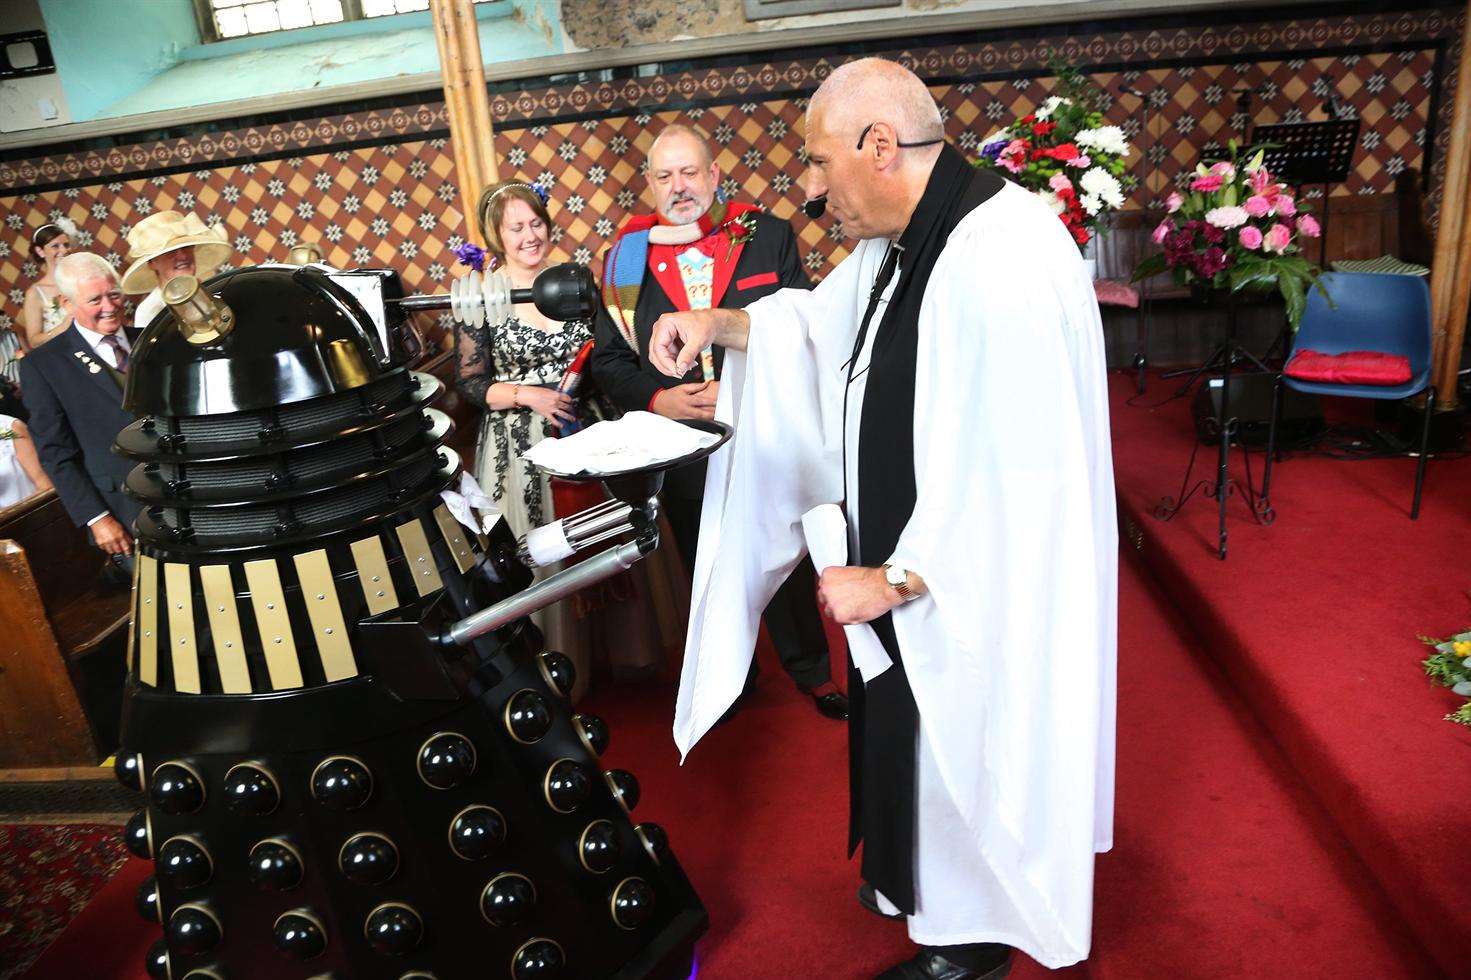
{"type": "Point", "coordinates": [1236, 228]}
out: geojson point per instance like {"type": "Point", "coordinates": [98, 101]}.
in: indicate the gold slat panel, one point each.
{"type": "Point", "coordinates": [183, 647]}
{"type": "Point", "coordinates": [148, 620]}
{"type": "Point", "coordinates": [133, 615]}
{"type": "Point", "coordinates": [269, 601]}
{"type": "Point", "coordinates": [224, 625]}
{"type": "Point", "coordinates": [420, 558]}
{"type": "Point", "coordinates": [373, 576]}
{"type": "Point", "coordinates": [319, 592]}
{"type": "Point", "coordinates": [454, 536]}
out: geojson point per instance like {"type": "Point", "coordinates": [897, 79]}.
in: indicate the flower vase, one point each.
{"type": "Point", "coordinates": [1090, 258]}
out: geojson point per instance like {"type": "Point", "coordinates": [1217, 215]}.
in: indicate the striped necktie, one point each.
{"type": "Point", "coordinates": [119, 356]}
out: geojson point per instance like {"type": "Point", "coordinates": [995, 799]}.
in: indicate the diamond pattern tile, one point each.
{"type": "Point", "coordinates": [396, 203]}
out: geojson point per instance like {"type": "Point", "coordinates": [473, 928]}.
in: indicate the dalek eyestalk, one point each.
{"type": "Point", "coordinates": [202, 318]}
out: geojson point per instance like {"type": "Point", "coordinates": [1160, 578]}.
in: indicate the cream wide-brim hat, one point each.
{"type": "Point", "coordinates": [169, 231]}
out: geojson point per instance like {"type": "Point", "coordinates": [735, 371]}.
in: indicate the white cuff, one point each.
{"type": "Point", "coordinates": [105, 513]}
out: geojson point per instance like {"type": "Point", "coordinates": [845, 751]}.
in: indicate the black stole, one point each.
{"type": "Point", "coordinates": [884, 720]}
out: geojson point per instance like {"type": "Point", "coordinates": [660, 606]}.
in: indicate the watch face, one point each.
{"type": "Point", "coordinates": [896, 576]}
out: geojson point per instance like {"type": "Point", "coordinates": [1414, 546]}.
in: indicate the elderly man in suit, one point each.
{"type": "Point", "coordinates": [694, 252]}
{"type": "Point", "coordinates": [73, 390]}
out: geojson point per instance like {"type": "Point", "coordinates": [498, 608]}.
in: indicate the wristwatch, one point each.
{"type": "Point", "coordinates": [898, 579]}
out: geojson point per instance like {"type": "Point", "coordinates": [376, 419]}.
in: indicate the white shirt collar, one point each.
{"type": "Point", "coordinates": [94, 341]}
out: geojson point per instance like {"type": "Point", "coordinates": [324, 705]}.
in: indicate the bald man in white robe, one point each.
{"type": "Point", "coordinates": [944, 384]}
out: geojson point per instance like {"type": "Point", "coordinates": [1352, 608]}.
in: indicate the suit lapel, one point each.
{"type": "Point", "coordinates": [726, 260]}
{"type": "Point", "coordinates": [664, 267]}
{"type": "Point", "coordinates": [85, 362]}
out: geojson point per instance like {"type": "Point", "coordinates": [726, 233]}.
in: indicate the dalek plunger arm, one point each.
{"type": "Point", "coordinates": [563, 292]}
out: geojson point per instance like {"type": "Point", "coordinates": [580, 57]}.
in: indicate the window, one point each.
{"type": "Point", "coordinates": [222, 19]}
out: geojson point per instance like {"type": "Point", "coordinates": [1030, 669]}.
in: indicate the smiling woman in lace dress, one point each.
{"type": "Point", "coordinates": [511, 369]}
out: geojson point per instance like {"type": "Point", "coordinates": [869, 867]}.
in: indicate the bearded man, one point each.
{"type": "Point", "coordinates": [697, 252]}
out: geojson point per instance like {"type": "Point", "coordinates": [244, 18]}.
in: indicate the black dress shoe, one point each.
{"type": "Point", "coordinates": [929, 965]}
{"type": "Point", "coordinates": [869, 899]}
{"type": "Point", "coordinates": [834, 705]}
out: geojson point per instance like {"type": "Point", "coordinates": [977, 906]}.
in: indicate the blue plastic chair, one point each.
{"type": "Point", "coordinates": [1389, 314]}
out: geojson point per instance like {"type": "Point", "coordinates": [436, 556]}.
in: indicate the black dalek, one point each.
{"type": "Point", "coordinates": [358, 759]}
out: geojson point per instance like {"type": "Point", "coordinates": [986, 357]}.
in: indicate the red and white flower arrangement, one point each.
{"type": "Point", "coordinates": [1066, 153]}
{"type": "Point", "coordinates": [1237, 228]}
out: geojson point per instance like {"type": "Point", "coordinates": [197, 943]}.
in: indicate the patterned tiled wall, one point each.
{"type": "Point", "coordinates": [394, 203]}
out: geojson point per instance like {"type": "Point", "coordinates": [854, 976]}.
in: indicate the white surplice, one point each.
{"type": "Point", "coordinates": [1012, 653]}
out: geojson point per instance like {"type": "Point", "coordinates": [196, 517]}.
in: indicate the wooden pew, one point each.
{"type": "Point", "coordinates": [65, 626]}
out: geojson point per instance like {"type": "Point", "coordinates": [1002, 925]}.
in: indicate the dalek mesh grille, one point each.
{"type": "Point", "coordinates": [309, 513]}
{"type": "Point", "coordinates": [320, 413]}
{"type": "Point", "coordinates": [299, 467]}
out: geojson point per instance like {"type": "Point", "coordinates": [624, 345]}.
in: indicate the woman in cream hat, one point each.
{"type": "Point", "coordinates": [165, 245]}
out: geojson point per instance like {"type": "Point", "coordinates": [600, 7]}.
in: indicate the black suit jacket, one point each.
{"type": "Point", "coordinates": [767, 262]}
{"type": "Point", "coordinates": [75, 414]}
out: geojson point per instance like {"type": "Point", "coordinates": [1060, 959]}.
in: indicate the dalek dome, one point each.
{"type": "Point", "coordinates": [251, 339]}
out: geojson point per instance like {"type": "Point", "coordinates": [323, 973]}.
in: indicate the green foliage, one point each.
{"type": "Point", "coordinates": [1446, 666]}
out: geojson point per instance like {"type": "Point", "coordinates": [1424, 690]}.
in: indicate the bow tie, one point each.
{"type": "Point", "coordinates": [708, 244]}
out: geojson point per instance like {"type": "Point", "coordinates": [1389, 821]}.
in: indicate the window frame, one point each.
{"type": "Point", "coordinates": [352, 13]}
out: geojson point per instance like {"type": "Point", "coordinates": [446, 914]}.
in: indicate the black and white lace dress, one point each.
{"type": "Point", "coordinates": [523, 354]}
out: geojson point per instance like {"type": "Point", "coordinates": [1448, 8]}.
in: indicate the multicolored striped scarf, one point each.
{"type": "Point", "coordinates": [628, 257]}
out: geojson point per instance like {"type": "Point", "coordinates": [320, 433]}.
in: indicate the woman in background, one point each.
{"type": "Point", "coordinates": [45, 316]}
{"type": "Point", "coordinates": [164, 245]}
{"type": "Point", "coordinates": [511, 369]}
{"type": "Point", "coordinates": [20, 468]}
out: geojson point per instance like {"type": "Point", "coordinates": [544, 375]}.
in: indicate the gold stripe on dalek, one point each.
{"type": "Point", "coordinates": [357, 756]}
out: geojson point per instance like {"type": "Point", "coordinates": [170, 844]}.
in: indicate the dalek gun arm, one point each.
{"type": "Point", "coordinates": [560, 539]}
{"type": "Point", "coordinates": [563, 292]}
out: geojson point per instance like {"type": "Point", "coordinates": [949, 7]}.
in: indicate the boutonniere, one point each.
{"type": "Point", "coordinates": [739, 230]}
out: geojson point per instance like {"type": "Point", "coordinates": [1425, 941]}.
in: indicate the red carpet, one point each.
{"type": "Point", "coordinates": [1223, 866]}
{"type": "Point", "coordinates": [1230, 858]}
{"type": "Point", "coordinates": [48, 873]}
{"type": "Point", "coordinates": [1314, 620]}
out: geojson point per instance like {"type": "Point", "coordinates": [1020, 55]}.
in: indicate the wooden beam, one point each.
{"type": "Point", "coordinates": [471, 135]}
{"type": "Point", "coordinates": [1450, 284]}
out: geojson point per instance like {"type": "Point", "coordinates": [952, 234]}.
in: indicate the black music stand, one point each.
{"type": "Point", "coordinates": [1310, 153]}
{"type": "Point", "coordinates": [1226, 429]}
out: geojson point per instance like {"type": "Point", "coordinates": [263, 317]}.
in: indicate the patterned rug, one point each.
{"type": "Point", "coordinates": [47, 875]}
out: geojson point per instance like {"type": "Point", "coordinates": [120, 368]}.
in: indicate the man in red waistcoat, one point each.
{"type": "Point", "coordinates": [695, 252]}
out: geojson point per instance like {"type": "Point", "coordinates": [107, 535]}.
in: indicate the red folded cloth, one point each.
{"type": "Point", "coordinates": [1354, 367]}
{"type": "Point", "coordinates": [1116, 292]}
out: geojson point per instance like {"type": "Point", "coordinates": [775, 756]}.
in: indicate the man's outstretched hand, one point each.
{"type": "Point", "coordinates": [679, 337]}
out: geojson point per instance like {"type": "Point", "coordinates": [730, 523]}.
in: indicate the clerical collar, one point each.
{"type": "Point", "coordinates": [948, 173]}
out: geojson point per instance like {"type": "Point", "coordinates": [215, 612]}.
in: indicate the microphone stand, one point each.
{"type": "Point", "coordinates": [1141, 316]}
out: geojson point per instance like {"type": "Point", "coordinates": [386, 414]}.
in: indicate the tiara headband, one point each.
{"type": "Point", "coordinates": [487, 196]}
{"type": "Point", "coordinates": [64, 226]}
